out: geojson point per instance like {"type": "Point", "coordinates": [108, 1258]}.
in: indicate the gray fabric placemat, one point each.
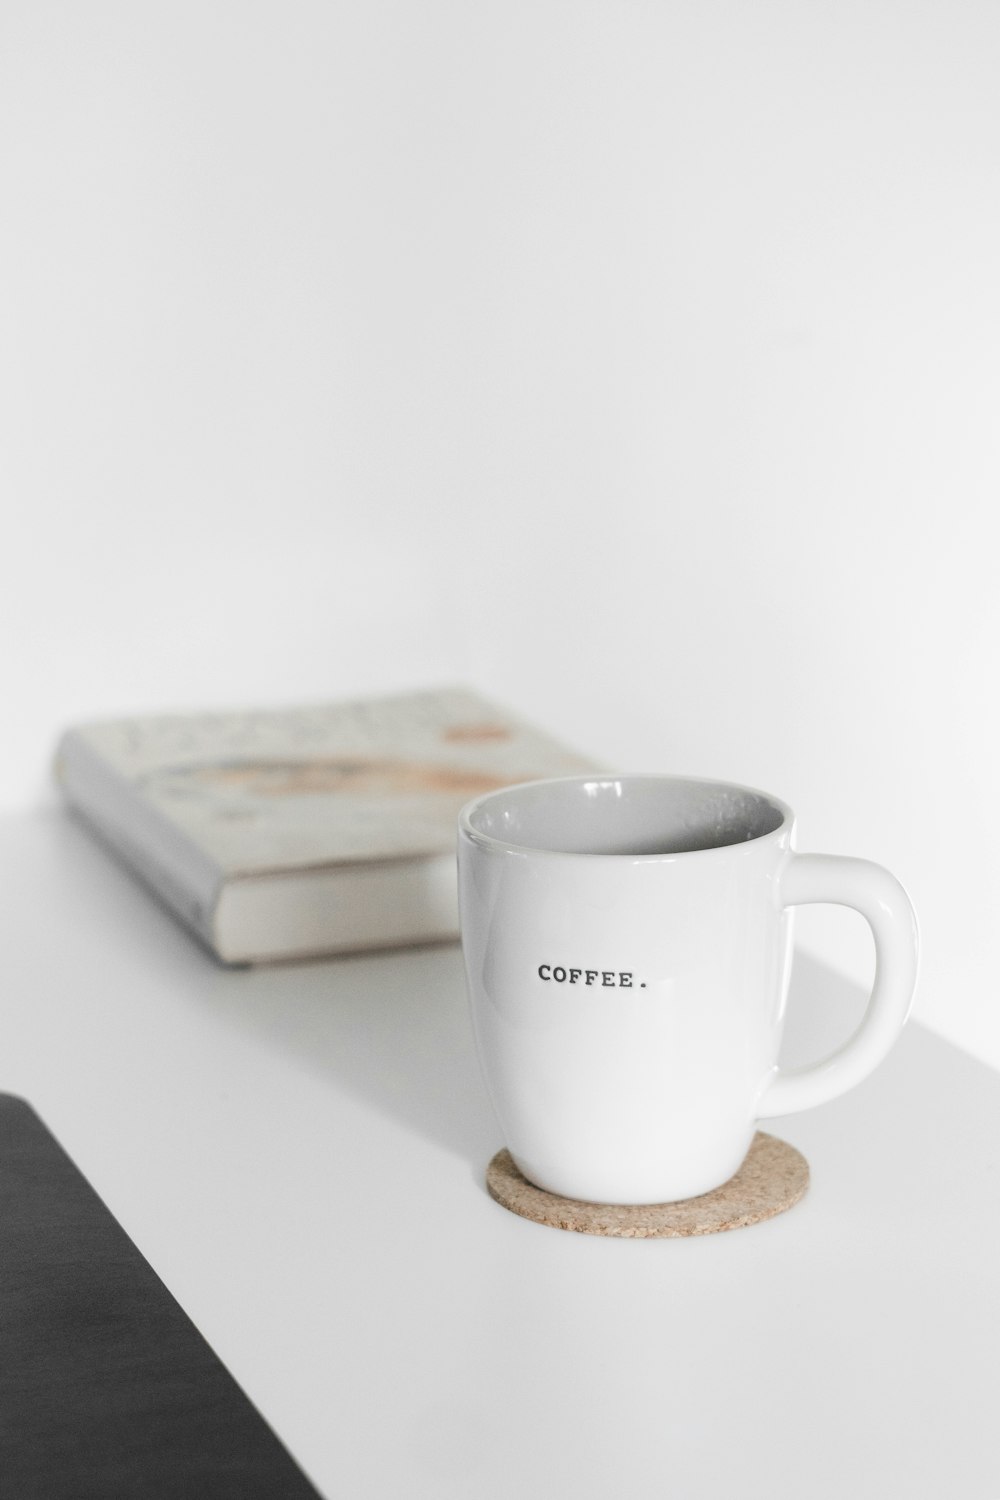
{"type": "Point", "coordinates": [107, 1389]}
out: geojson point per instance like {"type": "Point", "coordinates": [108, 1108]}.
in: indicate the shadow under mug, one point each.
{"type": "Point", "coordinates": [627, 943]}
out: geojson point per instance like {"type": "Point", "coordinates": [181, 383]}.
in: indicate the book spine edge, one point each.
{"type": "Point", "coordinates": [185, 879]}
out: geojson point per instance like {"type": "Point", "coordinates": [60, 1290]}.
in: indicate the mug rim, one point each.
{"type": "Point", "coordinates": [489, 841]}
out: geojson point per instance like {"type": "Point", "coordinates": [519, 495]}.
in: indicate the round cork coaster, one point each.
{"type": "Point", "coordinates": [772, 1179]}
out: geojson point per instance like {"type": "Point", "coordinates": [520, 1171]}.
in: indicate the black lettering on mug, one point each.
{"type": "Point", "coordinates": [609, 978]}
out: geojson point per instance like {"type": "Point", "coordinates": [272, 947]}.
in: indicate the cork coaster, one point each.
{"type": "Point", "coordinates": [772, 1179]}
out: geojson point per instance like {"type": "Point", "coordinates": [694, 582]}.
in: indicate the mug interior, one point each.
{"type": "Point", "coordinates": [630, 815]}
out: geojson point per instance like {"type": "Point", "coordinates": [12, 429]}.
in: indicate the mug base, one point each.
{"type": "Point", "coordinates": [771, 1180]}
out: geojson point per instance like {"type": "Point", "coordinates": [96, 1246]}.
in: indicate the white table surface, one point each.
{"type": "Point", "coordinates": [299, 1151]}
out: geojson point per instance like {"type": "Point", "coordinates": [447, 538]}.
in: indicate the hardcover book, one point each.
{"type": "Point", "coordinates": [293, 833]}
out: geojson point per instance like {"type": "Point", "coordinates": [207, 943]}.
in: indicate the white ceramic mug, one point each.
{"type": "Point", "coordinates": [627, 944]}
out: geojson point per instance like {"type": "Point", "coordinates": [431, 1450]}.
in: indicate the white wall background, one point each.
{"type": "Point", "coordinates": [636, 362]}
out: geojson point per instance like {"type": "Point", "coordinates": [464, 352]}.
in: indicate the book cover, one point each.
{"type": "Point", "coordinates": [277, 833]}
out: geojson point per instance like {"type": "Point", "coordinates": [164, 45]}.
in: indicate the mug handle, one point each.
{"type": "Point", "coordinates": [884, 904]}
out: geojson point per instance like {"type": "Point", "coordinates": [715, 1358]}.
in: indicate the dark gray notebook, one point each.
{"type": "Point", "coordinates": [107, 1389]}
